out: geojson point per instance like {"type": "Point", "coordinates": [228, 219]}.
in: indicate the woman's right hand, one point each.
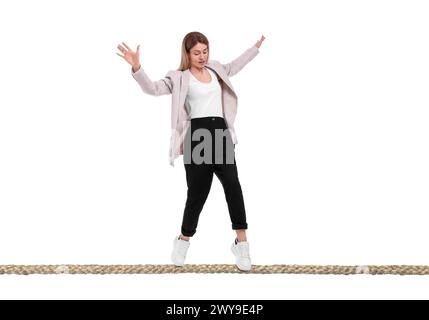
{"type": "Point", "coordinates": [130, 56]}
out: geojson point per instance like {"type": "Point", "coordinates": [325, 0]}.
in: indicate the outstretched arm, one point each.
{"type": "Point", "coordinates": [237, 64]}
{"type": "Point", "coordinates": [154, 88]}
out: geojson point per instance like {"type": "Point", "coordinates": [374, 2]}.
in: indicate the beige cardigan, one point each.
{"type": "Point", "coordinates": [176, 83]}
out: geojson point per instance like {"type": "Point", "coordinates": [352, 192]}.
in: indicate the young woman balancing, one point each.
{"type": "Point", "coordinates": [204, 105]}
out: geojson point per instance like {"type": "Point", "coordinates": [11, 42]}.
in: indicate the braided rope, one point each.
{"type": "Point", "coordinates": [213, 268]}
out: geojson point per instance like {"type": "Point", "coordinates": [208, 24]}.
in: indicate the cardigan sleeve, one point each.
{"type": "Point", "coordinates": [237, 64]}
{"type": "Point", "coordinates": [155, 88]}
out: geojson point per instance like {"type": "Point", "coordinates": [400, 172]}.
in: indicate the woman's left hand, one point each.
{"type": "Point", "coordinates": [258, 44]}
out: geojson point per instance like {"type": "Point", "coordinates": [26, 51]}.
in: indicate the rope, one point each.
{"type": "Point", "coordinates": [213, 268]}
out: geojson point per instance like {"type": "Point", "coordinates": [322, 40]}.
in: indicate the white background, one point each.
{"type": "Point", "coordinates": [332, 154]}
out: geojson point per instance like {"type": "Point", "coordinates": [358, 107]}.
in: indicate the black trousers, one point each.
{"type": "Point", "coordinates": [199, 174]}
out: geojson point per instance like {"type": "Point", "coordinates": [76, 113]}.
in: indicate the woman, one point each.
{"type": "Point", "coordinates": [203, 104]}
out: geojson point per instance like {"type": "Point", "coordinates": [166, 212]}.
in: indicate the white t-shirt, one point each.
{"type": "Point", "coordinates": [204, 99]}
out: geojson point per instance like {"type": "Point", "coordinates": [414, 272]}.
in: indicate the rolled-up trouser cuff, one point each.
{"type": "Point", "coordinates": [188, 233]}
{"type": "Point", "coordinates": [239, 226]}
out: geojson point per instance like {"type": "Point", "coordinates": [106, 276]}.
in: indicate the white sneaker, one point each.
{"type": "Point", "coordinates": [241, 253]}
{"type": "Point", "coordinates": [180, 248]}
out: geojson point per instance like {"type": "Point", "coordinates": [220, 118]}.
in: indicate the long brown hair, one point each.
{"type": "Point", "coordinates": [189, 41]}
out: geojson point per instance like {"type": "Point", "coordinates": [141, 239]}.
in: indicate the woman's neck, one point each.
{"type": "Point", "coordinates": [197, 70]}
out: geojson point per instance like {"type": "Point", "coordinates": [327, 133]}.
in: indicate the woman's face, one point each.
{"type": "Point", "coordinates": [199, 55]}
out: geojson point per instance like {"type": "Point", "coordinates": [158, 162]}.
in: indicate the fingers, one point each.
{"type": "Point", "coordinates": [122, 49]}
{"type": "Point", "coordinates": [127, 50]}
{"type": "Point", "coordinates": [126, 46]}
